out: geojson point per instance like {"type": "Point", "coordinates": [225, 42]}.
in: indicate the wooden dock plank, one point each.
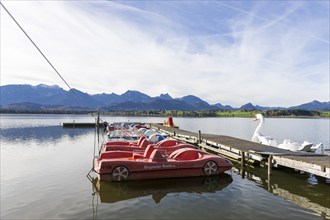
{"type": "Point", "coordinates": [316, 165]}
{"type": "Point", "coordinates": [222, 152]}
{"type": "Point", "coordinates": [236, 148]}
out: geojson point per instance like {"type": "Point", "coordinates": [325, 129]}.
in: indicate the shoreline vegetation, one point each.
{"type": "Point", "coordinates": [297, 113]}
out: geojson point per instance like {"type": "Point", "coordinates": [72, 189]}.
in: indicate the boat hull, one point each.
{"type": "Point", "coordinates": [160, 174]}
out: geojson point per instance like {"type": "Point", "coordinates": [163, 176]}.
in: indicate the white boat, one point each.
{"type": "Point", "coordinates": [287, 143]}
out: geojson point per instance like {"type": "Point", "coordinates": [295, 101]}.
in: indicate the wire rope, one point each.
{"type": "Point", "coordinates": [43, 55]}
{"type": "Point", "coordinates": [57, 72]}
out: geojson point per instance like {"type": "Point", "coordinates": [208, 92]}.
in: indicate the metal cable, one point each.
{"type": "Point", "coordinates": [78, 98]}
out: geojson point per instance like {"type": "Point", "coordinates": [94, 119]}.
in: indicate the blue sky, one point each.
{"type": "Point", "coordinates": [270, 53]}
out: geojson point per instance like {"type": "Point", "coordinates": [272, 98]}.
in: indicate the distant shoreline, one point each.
{"type": "Point", "coordinates": [187, 114]}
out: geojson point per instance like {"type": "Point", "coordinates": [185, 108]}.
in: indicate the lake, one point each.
{"type": "Point", "coordinates": [44, 168]}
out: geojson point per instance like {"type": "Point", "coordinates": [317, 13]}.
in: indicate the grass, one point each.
{"type": "Point", "coordinates": [325, 114]}
{"type": "Point", "coordinates": [243, 114]}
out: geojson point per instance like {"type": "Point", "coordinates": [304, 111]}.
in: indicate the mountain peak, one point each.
{"type": "Point", "coordinates": [314, 105]}
{"type": "Point", "coordinates": [165, 96]}
{"type": "Point", "coordinates": [134, 96]}
{"type": "Point", "coordinates": [191, 99]}
{"type": "Point", "coordinates": [48, 86]}
{"type": "Point", "coordinates": [247, 106]}
{"type": "Point", "coordinates": [131, 91]}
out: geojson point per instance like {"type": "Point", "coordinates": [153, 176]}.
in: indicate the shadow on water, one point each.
{"type": "Point", "coordinates": [303, 189]}
{"type": "Point", "coordinates": [111, 192]}
{"type": "Point", "coordinates": [42, 134]}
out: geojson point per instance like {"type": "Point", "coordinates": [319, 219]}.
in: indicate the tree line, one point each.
{"type": "Point", "coordinates": [183, 113]}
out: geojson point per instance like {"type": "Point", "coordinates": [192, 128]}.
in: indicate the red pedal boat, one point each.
{"type": "Point", "coordinates": [156, 163]}
{"type": "Point", "coordinates": [168, 145]}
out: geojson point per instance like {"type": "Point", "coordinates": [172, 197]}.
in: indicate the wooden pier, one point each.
{"type": "Point", "coordinates": [81, 125]}
{"type": "Point", "coordinates": [251, 152]}
{"type": "Point", "coordinates": [86, 124]}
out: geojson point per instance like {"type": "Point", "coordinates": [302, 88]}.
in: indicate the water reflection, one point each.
{"type": "Point", "coordinates": [41, 134]}
{"type": "Point", "coordinates": [305, 190]}
{"type": "Point", "coordinates": [111, 192]}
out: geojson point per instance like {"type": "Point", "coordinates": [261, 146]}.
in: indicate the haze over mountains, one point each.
{"type": "Point", "coordinates": [42, 97]}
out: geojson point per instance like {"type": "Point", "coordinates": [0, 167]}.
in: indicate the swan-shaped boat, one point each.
{"type": "Point", "coordinates": [258, 137]}
{"type": "Point", "coordinates": [287, 143]}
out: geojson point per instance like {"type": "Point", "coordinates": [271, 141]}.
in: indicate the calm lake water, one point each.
{"type": "Point", "coordinates": [44, 168]}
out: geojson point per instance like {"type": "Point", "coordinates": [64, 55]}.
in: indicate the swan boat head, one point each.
{"type": "Point", "coordinates": [258, 137]}
{"type": "Point", "coordinates": [258, 117]}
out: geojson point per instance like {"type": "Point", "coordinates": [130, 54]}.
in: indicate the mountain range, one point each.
{"type": "Point", "coordinates": [45, 97]}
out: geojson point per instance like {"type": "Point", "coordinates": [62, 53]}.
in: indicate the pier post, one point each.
{"type": "Point", "coordinates": [242, 172]}
{"type": "Point", "coordinates": [268, 184]}
{"type": "Point", "coordinates": [242, 158]}
{"type": "Point", "coordinates": [270, 157]}
{"type": "Point", "coordinates": [199, 136]}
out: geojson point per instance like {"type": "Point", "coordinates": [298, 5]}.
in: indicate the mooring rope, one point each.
{"type": "Point", "coordinates": [62, 78]}
{"type": "Point", "coordinates": [43, 55]}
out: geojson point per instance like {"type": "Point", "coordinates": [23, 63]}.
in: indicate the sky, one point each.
{"type": "Point", "coordinates": [269, 53]}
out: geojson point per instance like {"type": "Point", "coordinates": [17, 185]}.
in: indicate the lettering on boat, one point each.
{"type": "Point", "coordinates": [159, 166]}
{"type": "Point", "coordinates": [168, 166]}
{"type": "Point", "coordinates": [152, 167]}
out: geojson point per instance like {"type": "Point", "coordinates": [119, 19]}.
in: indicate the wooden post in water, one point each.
{"type": "Point", "coordinates": [242, 158]}
{"type": "Point", "coordinates": [270, 157]}
{"type": "Point", "coordinates": [242, 172]}
{"type": "Point", "coordinates": [242, 164]}
{"type": "Point", "coordinates": [268, 184]}
{"type": "Point", "coordinates": [199, 137]}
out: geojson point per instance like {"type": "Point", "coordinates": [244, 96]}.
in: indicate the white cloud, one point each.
{"type": "Point", "coordinates": [229, 52]}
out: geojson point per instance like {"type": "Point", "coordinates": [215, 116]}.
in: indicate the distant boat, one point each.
{"type": "Point", "coordinates": [170, 123]}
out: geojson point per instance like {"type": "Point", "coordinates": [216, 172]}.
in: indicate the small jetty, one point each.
{"type": "Point", "coordinates": [74, 124]}
{"type": "Point", "coordinates": [81, 125]}
{"type": "Point", "coordinates": [253, 153]}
